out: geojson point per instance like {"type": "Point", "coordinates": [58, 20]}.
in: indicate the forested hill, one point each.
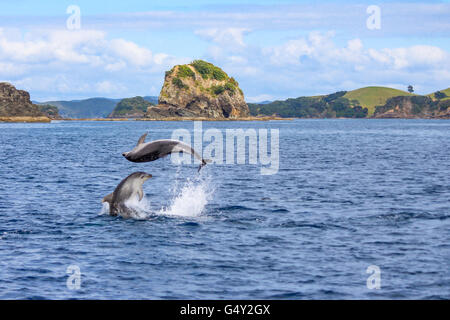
{"type": "Point", "coordinates": [329, 106]}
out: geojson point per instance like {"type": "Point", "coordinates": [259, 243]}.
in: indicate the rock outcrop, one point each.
{"type": "Point", "coordinates": [131, 108]}
{"type": "Point", "coordinates": [16, 103]}
{"type": "Point", "coordinates": [414, 107]}
{"type": "Point", "coordinates": [199, 89]}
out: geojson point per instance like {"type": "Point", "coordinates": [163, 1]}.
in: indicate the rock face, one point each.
{"type": "Point", "coordinates": [16, 103]}
{"type": "Point", "coordinates": [414, 107]}
{"type": "Point", "coordinates": [199, 89]}
{"type": "Point", "coordinates": [130, 108]}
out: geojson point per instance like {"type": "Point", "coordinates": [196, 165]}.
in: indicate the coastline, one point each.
{"type": "Point", "coordinates": [48, 120]}
{"type": "Point", "coordinates": [180, 119]}
{"type": "Point", "coordinates": [26, 119]}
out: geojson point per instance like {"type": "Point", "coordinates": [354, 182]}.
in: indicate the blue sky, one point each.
{"type": "Point", "coordinates": [275, 49]}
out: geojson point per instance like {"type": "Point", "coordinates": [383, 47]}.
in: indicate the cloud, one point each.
{"type": "Point", "coordinates": [82, 62]}
{"type": "Point", "coordinates": [316, 64]}
{"type": "Point", "coordinates": [228, 36]}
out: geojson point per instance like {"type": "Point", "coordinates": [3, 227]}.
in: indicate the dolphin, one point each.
{"type": "Point", "coordinates": [128, 188]}
{"type": "Point", "coordinates": [151, 151]}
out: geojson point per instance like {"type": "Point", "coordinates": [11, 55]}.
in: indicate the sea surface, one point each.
{"type": "Point", "coordinates": [349, 194]}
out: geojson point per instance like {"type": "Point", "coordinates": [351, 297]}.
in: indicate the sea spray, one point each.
{"type": "Point", "coordinates": [190, 200]}
{"type": "Point", "coordinates": [105, 209]}
{"type": "Point", "coordinates": [187, 199]}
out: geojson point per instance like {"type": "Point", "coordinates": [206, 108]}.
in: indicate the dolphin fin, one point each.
{"type": "Point", "coordinates": [108, 198]}
{"type": "Point", "coordinates": [140, 194]}
{"type": "Point", "coordinates": [142, 139]}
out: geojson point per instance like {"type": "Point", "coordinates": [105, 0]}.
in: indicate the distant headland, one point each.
{"type": "Point", "coordinates": [203, 91]}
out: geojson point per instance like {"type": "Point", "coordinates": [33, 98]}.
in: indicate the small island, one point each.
{"type": "Point", "coordinates": [199, 89]}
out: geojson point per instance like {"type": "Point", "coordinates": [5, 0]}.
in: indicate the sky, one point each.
{"type": "Point", "coordinates": [274, 49]}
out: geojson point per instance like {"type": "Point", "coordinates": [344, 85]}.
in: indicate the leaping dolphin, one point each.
{"type": "Point", "coordinates": [151, 151]}
{"type": "Point", "coordinates": [128, 188]}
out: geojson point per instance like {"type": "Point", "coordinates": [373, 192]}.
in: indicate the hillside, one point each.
{"type": "Point", "coordinates": [130, 108]}
{"type": "Point", "coordinates": [440, 94]}
{"type": "Point", "coordinates": [88, 108]}
{"type": "Point", "coordinates": [199, 89]}
{"type": "Point", "coordinates": [329, 106]}
{"type": "Point", "coordinates": [369, 97]}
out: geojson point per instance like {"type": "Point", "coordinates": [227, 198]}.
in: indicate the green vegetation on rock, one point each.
{"type": "Point", "coordinates": [185, 72]}
{"type": "Point", "coordinates": [208, 70]}
{"type": "Point", "coordinates": [217, 89]}
{"type": "Point", "coordinates": [179, 83]}
{"type": "Point", "coordinates": [420, 105]}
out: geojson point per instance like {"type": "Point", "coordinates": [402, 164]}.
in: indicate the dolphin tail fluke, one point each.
{"type": "Point", "coordinates": [204, 163]}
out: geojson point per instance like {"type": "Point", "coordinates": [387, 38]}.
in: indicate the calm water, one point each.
{"type": "Point", "coordinates": [349, 194]}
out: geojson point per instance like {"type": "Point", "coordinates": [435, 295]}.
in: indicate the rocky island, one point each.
{"type": "Point", "coordinates": [199, 90]}
{"type": "Point", "coordinates": [16, 106]}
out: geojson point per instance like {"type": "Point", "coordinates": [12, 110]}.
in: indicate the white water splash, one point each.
{"type": "Point", "coordinates": [105, 209]}
{"type": "Point", "coordinates": [189, 200]}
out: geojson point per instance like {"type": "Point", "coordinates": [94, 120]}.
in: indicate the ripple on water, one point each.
{"type": "Point", "coordinates": [349, 194]}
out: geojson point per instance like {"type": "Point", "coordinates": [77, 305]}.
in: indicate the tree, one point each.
{"type": "Point", "coordinates": [410, 89]}
{"type": "Point", "coordinates": [440, 95]}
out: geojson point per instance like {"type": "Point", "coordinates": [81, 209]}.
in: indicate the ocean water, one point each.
{"type": "Point", "coordinates": [349, 194]}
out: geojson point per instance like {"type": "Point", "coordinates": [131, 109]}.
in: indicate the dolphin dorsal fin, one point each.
{"type": "Point", "coordinates": [142, 139]}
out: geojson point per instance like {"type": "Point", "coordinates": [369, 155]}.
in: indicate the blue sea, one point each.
{"type": "Point", "coordinates": [349, 196]}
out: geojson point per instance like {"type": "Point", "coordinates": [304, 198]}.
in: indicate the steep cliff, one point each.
{"type": "Point", "coordinates": [199, 89]}
{"type": "Point", "coordinates": [16, 103]}
{"type": "Point", "coordinates": [414, 107]}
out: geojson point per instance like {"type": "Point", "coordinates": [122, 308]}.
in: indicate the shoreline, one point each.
{"type": "Point", "coordinates": [179, 119]}
{"type": "Point", "coordinates": [48, 120]}
{"type": "Point", "coordinates": [25, 119]}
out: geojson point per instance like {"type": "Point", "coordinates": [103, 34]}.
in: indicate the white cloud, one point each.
{"type": "Point", "coordinates": [224, 36]}
{"type": "Point", "coordinates": [316, 64]}
{"type": "Point", "coordinates": [108, 87]}
{"type": "Point", "coordinates": [77, 62]}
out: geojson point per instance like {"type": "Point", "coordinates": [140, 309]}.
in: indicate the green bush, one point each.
{"type": "Point", "coordinates": [230, 87]}
{"type": "Point", "coordinates": [168, 73]}
{"type": "Point", "coordinates": [178, 83]}
{"type": "Point", "coordinates": [217, 89]}
{"type": "Point", "coordinates": [208, 70]}
{"type": "Point", "coordinates": [440, 95]}
{"type": "Point", "coordinates": [185, 72]}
